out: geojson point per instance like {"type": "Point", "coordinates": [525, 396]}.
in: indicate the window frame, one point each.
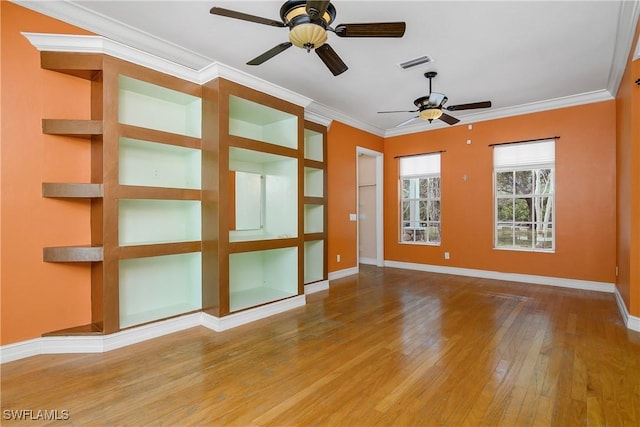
{"type": "Point", "coordinates": [415, 206]}
{"type": "Point", "coordinates": [533, 221]}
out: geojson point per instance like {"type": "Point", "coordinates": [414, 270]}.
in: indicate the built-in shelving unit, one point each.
{"type": "Point", "coordinates": [159, 211]}
{"type": "Point", "coordinates": [89, 67]}
{"type": "Point", "coordinates": [204, 197]}
{"type": "Point", "coordinates": [145, 191]}
{"type": "Point", "coordinates": [258, 151]}
{"type": "Point", "coordinates": [315, 203]}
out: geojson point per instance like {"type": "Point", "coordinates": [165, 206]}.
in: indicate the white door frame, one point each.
{"type": "Point", "coordinates": [379, 205]}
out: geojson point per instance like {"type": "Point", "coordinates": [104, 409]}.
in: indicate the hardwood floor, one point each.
{"type": "Point", "coordinates": [385, 347]}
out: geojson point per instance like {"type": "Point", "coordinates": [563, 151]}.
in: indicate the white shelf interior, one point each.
{"type": "Point", "coordinates": [313, 261]}
{"type": "Point", "coordinates": [151, 164]}
{"type": "Point", "coordinates": [158, 287]}
{"type": "Point", "coordinates": [261, 277]}
{"type": "Point", "coordinates": [313, 182]}
{"type": "Point", "coordinates": [313, 218]}
{"type": "Point", "coordinates": [278, 204]}
{"type": "Point", "coordinates": [158, 221]}
{"type": "Point", "coordinates": [155, 107]}
{"type": "Point", "coordinates": [251, 120]}
{"type": "Point", "coordinates": [313, 145]}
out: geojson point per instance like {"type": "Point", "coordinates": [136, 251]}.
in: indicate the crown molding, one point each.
{"type": "Point", "coordinates": [253, 82]}
{"type": "Point", "coordinates": [627, 22]}
{"type": "Point", "coordinates": [324, 111]}
{"type": "Point", "coordinates": [318, 118]}
{"type": "Point", "coordinates": [499, 113]}
{"type": "Point", "coordinates": [213, 70]}
{"type": "Point", "coordinates": [102, 45]}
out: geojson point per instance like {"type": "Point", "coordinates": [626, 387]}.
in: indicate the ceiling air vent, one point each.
{"type": "Point", "coordinates": [415, 62]}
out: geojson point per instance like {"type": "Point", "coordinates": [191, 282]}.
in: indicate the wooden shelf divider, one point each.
{"type": "Point", "coordinates": [157, 193]}
{"type": "Point", "coordinates": [159, 249]}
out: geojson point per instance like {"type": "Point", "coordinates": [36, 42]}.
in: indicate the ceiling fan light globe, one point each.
{"type": "Point", "coordinates": [308, 36]}
{"type": "Point", "coordinates": [430, 114]}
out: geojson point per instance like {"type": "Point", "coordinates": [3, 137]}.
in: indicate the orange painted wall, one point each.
{"type": "Point", "coordinates": [342, 191]}
{"type": "Point", "coordinates": [39, 297]}
{"type": "Point", "coordinates": [628, 185]}
{"type": "Point", "coordinates": [585, 188]}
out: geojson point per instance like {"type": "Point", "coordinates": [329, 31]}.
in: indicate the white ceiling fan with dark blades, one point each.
{"type": "Point", "coordinates": [430, 107]}
{"type": "Point", "coordinates": [308, 23]}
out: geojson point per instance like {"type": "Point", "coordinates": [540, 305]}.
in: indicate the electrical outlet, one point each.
{"type": "Point", "coordinates": [446, 255]}
{"type": "Point", "coordinates": [338, 257]}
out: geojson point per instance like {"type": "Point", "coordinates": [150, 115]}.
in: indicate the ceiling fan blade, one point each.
{"type": "Point", "coordinates": [245, 17]}
{"type": "Point", "coordinates": [406, 122]}
{"type": "Point", "coordinates": [398, 111]}
{"type": "Point", "coordinates": [315, 9]}
{"type": "Point", "coordinates": [331, 59]}
{"type": "Point", "coordinates": [472, 106]}
{"type": "Point", "coordinates": [448, 119]}
{"type": "Point", "coordinates": [270, 53]}
{"type": "Point", "coordinates": [380, 29]}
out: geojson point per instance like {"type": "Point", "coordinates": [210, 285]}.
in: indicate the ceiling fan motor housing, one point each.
{"type": "Point", "coordinates": [306, 32]}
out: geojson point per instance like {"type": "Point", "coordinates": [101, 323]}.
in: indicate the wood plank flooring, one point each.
{"type": "Point", "coordinates": [386, 347]}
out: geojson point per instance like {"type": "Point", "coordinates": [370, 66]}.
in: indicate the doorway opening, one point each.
{"type": "Point", "coordinates": [370, 243]}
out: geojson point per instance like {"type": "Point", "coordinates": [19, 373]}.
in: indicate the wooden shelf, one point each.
{"type": "Point", "coordinates": [158, 136]}
{"type": "Point", "coordinates": [72, 254]}
{"type": "Point", "coordinates": [159, 249]}
{"type": "Point", "coordinates": [71, 190]}
{"type": "Point", "coordinates": [262, 245]}
{"type": "Point", "coordinates": [81, 128]}
{"type": "Point", "coordinates": [264, 147]}
{"type": "Point", "coordinates": [309, 237]}
{"type": "Point", "coordinates": [314, 164]}
{"type": "Point", "coordinates": [314, 200]}
{"type": "Point", "coordinates": [157, 193]}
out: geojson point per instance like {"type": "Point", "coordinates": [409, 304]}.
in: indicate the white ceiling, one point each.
{"type": "Point", "coordinates": [522, 55]}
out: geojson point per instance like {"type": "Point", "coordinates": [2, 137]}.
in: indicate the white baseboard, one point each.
{"type": "Point", "coordinates": [220, 324]}
{"type": "Point", "coordinates": [320, 286]}
{"type": "Point", "coordinates": [343, 273]}
{"type": "Point", "coordinates": [104, 343]}
{"type": "Point", "coordinates": [96, 343]}
{"type": "Point", "coordinates": [512, 277]}
{"type": "Point", "coordinates": [368, 261]}
{"type": "Point", "coordinates": [632, 322]}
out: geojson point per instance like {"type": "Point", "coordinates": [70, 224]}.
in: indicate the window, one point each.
{"type": "Point", "coordinates": [524, 196]}
{"type": "Point", "coordinates": [420, 199]}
